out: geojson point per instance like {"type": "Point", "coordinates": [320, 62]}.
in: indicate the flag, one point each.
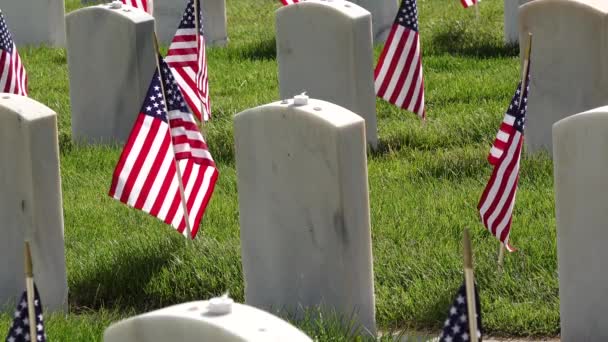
{"type": "Point", "coordinates": [289, 2]}
{"type": "Point", "coordinates": [146, 5]}
{"type": "Point", "coordinates": [146, 176]}
{"type": "Point", "coordinates": [498, 198]}
{"type": "Point", "coordinates": [20, 329]}
{"type": "Point", "coordinates": [398, 75]}
{"type": "Point", "coordinates": [456, 326]}
{"type": "Point", "coordinates": [13, 78]}
{"type": "Point", "coordinates": [188, 62]}
{"type": "Point", "coordinates": [468, 3]}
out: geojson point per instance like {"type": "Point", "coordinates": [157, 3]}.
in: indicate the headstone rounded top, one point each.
{"type": "Point", "coordinates": [347, 8]}
{"type": "Point", "coordinates": [136, 16]}
{"type": "Point", "coordinates": [584, 116]}
{"type": "Point", "coordinates": [25, 107]}
{"type": "Point", "coordinates": [595, 5]}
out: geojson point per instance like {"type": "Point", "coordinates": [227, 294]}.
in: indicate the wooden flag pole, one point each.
{"type": "Point", "coordinates": [501, 255]}
{"type": "Point", "coordinates": [469, 280]}
{"type": "Point", "coordinates": [197, 26]}
{"type": "Point", "coordinates": [180, 181]}
{"type": "Point", "coordinates": [477, 10]}
{"type": "Point", "coordinates": [29, 288]}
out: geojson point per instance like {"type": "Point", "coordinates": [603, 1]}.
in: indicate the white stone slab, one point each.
{"type": "Point", "coordinates": [30, 202]}
{"type": "Point", "coordinates": [111, 60]}
{"type": "Point", "coordinates": [383, 13]}
{"type": "Point", "coordinates": [569, 72]}
{"type": "Point", "coordinates": [197, 321]}
{"type": "Point", "coordinates": [511, 20]}
{"type": "Point", "coordinates": [304, 209]}
{"type": "Point", "coordinates": [325, 49]}
{"type": "Point", "coordinates": [34, 22]}
{"type": "Point", "coordinates": [168, 14]}
{"type": "Point", "coordinates": [580, 163]}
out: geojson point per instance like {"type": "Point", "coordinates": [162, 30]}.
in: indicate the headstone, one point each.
{"type": "Point", "coordinates": [325, 49]}
{"type": "Point", "coordinates": [567, 73]}
{"type": "Point", "coordinates": [30, 202]}
{"type": "Point", "coordinates": [168, 14]}
{"type": "Point", "coordinates": [217, 320]}
{"type": "Point", "coordinates": [383, 13]}
{"type": "Point", "coordinates": [511, 21]}
{"type": "Point", "coordinates": [34, 22]}
{"type": "Point", "coordinates": [581, 205]}
{"type": "Point", "coordinates": [111, 61]}
{"type": "Point", "coordinates": [304, 209]}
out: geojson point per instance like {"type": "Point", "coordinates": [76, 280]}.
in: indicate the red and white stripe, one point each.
{"type": "Point", "coordinates": [468, 3]}
{"type": "Point", "coordinates": [145, 5]}
{"type": "Point", "coordinates": [502, 139]}
{"type": "Point", "coordinates": [188, 141]}
{"type": "Point", "coordinates": [289, 2]}
{"type": "Point", "coordinates": [188, 62]}
{"type": "Point", "coordinates": [13, 78]}
{"type": "Point", "coordinates": [498, 199]}
{"type": "Point", "coordinates": [146, 178]}
{"type": "Point", "coordinates": [398, 75]}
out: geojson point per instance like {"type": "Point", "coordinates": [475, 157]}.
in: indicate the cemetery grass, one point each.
{"type": "Point", "coordinates": [425, 182]}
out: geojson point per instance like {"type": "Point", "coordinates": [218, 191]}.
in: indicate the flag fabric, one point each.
{"type": "Point", "coordinates": [289, 2]}
{"type": "Point", "coordinates": [498, 198]}
{"type": "Point", "coordinates": [146, 176]}
{"type": "Point", "coordinates": [468, 3]}
{"type": "Point", "coordinates": [145, 5]}
{"type": "Point", "coordinates": [456, 326]}
{"type": "Point", "coordinates": [20, 329]}
{"type": "Point", "coordinates": [398, 75]}
{"type": "Point", "coordinates": [13, 78]}
{"type": "Point", "coordinates": [188, 61]}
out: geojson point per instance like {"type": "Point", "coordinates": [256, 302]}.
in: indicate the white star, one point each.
{"type": "Point", "coordinates": [10, 339]}
{"type": "Point", "coordinates": [448, 339]}
{"type": "Point", "coordinates": [26, 321]}
{"type": "Point", "coordinates": [478, 333]}
{"type": "Point", "coordinates": [465, 336]}
{"type": "Point", "coordinates": [456, 329]}
{"type": "Point", "coordinates": [152, 98]}
{"type": "Point", "coordinates": [39, 327]}
{"type": "Point", "coordinates": [17, 314]}
{"type": "Point", "coordinates": [148, 108]}
{"type": "Point", "coordinates": [460, 299]}
{"type": "Point", "coordinates": [40, 318]}
{"type": "Point", "coordinates": [159, 112]}
{"type": "Point", "coordinates": [463, 318]}
{"type": "Point", "coordinates": [27, 337]}
{"type": "Point", "coordinates": [453, 310]}
{"type": "Point", "coordinates": [447, 322]}
{"type": "Point", "coordinates": [38, 338]}
{"type": "Point", "coordinates": [23, 304]}
{"type": "Point", "coordinates": [155, 104]}
{"type": "Point", "coordinates": [18, 331]}
{"type": "Point", "coordinates": [156, 88]}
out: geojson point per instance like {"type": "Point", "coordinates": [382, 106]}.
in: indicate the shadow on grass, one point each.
{"type": "Point", "coordinates": [259, 50]}
{"type": "Point", "coordinates": [458, 38]}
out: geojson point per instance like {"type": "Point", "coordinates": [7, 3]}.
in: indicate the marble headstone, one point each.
{"type": "Point", "coordinates": [168, 14]}
{"type": "Point", "coordinates": [111, 61]}
{"type": "Point", "coordinates": [215, 320]}
{"type": "Point", "coordinates": [325, 48]}
{"type": "Point", "coordinates": [383, 16]}
{"type": "Point", "coordinates": [569, 68]}
{"type": "Point", "coordinates": [30, 202]}
{"type": "Point", "coordinates": [511, 21]}
{"type": "Point", "coordinates": [581, 204]}
{"type": "Point", "coordinates": [34, 22]}
{"type": "Point", "coordinates": [304, 209]}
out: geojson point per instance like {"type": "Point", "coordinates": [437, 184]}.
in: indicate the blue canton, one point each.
{"type": "Point", "coordinates": [456, 326]}
{"type": "Point", "coordinates": [517, 109]}
{"type": "Point", "coordinates": [175, 100]}
{"type": "Point", "coordinates": [6, 40]}
{"type": "Point", "coordinates": [20, 330]}
{"type": "Point", "coordinates": [189, 17]}
{"type": "Point", "coordinates": [408, 15]}
{"type": "Point", "coordinates": [154, 104]}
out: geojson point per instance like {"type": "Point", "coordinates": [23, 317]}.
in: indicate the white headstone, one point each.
{"type": "Point", "coordinates": [511, 21]}
{"type": "Point", "coordinates": [216, 320]}
{"type": "Point", "coordinates": [111, 61]}
{"type": "Point", "coordinates": [568, 65]}
{"type": "Point", "coordinates": [168, 14]}
{"type": "Point", "coordinates": [383, 13]}
{"type": "Point", "coordinates": [581, 204]}
{"type": "Point", "coordinates": [34, 22]}
{"type": "Point", "coordinates": [30, 202]}
{"type": "Point", "coordinates": [325, 49]}
{"type": "Point", "coordinates": [304, 209]}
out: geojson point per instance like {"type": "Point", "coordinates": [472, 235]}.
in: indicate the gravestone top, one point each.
{"type": "Point", "coordinates": [320, 108]}
{"type": "Point", "coordinates": [134, 15]}
{"type": "Point", "coordinates": [349, 9]}
{"type": "Point", "coordinates": [27, 108]}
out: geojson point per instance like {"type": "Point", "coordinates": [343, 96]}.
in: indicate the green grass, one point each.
{"type": "Point", "coordinates": [425, 182]}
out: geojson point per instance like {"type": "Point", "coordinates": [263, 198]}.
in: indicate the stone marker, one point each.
{"type": "Point", "coordinates": [325, 49]}
{"type": "Point", "coordinates": [581, 205]}
{"type": "Point", "coordinates": [111, 60]}
{"type": "Point", "coordinates": [30, 202]}
{"type": "Point", "coordinates": [511, 21]}
{"type": "Point", "coordinates": [568, 69]}
{"type": "Point", "coordinates": [383, 16]}
{"type": "Point", "coordinates": [168, 14]}
{"type": "Point", "coordinates": [304, 209]}
{"type": "Point", "coordinates": [216, 320]}
{"type": "Point", "coordinates": [34, 22]}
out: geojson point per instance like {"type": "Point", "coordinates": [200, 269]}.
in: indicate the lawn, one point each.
{"type": "Point", "coordinates": [425, 182]}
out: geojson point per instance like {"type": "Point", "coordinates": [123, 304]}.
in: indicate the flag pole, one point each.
{"type": "Point", "coordinates": [469, 280]}
{"type": "Point", "coordinates": [197, 26]}
{"type": "Point", "coordinates": [29, 288]}
{"type": "Point", "coordinates": [477, 10]}
{"type": "Point", "coordinates": [180, 181]}
{"type": "Point", "coordinates": [501, 255]}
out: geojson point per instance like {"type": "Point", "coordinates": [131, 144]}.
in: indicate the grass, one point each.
{"type": "Point", "coordinates": [425, 182]}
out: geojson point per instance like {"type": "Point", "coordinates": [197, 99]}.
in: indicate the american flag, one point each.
{"type": "Point", "coordinates": [188, 62]}
{"type": "Point", "coordinates": [20, 330]}
{"type": "Point", "coordinates": [456, 326]}
{"type": "Point", "coordinates": [289, 2]}
{"type": "Point", "coordinates": [468, 3]}
{"type": "Point", "coordinates": [496, 203]}
{"type": "Point", "coordinates": [13, 78]}
{"type": "Point", "coordinates": [146, 177]}
{"type": "Point", "coordinates": [398, 75]}
{"type": "Point", "coordinates": [146, 5]}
